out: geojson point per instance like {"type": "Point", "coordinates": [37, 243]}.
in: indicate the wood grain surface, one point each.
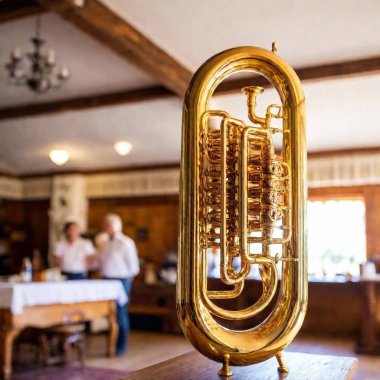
{"type": "Point", "coordinates": [194, 366]}
{"type": "Point", "coordinates": [102, 23]}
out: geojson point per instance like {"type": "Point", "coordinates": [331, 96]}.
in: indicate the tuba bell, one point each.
{"type": "Point", "coordinates": [243, 197]}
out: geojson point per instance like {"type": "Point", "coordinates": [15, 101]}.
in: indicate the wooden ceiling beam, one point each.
{"type": "Point", "coordinates": [327, 154]}
{"type": "Point", "coordinates": [13, 9]}
{"type": "Point", "coordinates": [86, 102]}
{"type": "Point", "coordinates": [316, 73]}
{"type": "Point", "coordinates": [103, 24]}
{"type": "Point", "coordinates": [313, 73]}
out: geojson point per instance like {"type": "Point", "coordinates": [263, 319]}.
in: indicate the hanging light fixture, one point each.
{"type": "Point", "coordinates": [123, 147]}
{"type": "Point", "coordinates": [36, 70]}
{"type": "Point", "coordinates": [59, 156]}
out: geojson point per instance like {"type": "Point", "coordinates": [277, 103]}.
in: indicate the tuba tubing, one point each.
{"type": "Point", "coordinates": [269, 338]}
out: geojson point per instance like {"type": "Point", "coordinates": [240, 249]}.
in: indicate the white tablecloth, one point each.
{"type": "Point", "coordinates": [16, 296]}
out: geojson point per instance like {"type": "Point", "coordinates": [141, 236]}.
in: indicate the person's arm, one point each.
{"type": "Point", "coordinates": [57, 256]}
{"type": "Point", "coordinates": [57, 261]}
{"type": "Point", "coordinates": [131, 258]}
{"type": "Point", "coordinates": [101, 241]}
{"type": "Point", "coordinates": [92, 259]}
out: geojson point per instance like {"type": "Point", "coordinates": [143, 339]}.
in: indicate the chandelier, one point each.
{"type": "Point", "coordinates": [36, 70]}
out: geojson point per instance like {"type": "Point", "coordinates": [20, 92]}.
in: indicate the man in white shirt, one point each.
{"type": "Point", "coordinates": [72, 253]}
{"type": "Point", "coordinates": [119, 260]}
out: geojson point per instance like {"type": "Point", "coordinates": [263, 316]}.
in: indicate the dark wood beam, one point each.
{"type": "Point", "coordinates": [313, 73]}
{"type": "Point", "coordinates": [14, 9]}
{"type": "Point", "coordinates": [176, 165]}
{"type": "Point", "coordinates": [86, 102]}
{"type": "Point", "coordinates": [103, 24]}
{"type": "Point", "coordinates": [322, 72]}
{"type": "Point", "coordinates": [115, 169]}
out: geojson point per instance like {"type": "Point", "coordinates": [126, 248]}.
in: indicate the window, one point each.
{"type": "Point", "coordinates": [336, 240]}
{"type": "Point", "coordinates": [336, 237]}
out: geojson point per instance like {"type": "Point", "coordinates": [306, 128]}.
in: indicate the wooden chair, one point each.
{"type": "Point", "coordinates": [55, 345]}
{"type": "Point", "coordinates": [57, 342]}
{"type": "Point", "coordinates": [52, 346]}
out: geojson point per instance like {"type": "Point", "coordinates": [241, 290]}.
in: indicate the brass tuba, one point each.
{"type": "Point", "coordinates": [246, 200]}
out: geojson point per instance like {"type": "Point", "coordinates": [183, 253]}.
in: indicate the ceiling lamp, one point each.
{"type": "Point", "coordinates": [59, 156]}
{"type": "Point", "coordinates": [36, 70]}
{"type": "Point", "coordinates": [123, 147]}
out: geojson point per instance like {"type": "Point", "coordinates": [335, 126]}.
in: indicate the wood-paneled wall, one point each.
{"type": "Point", "coordinates": [151, 221]}
{"type": "Point", "coordinates": [32, 218]}
{"type": "Point", "coordinates": [37, 220]}
{"type": "Point", "coordinates": [11, 212]}
{"type": "Point", "coordinates": [371, 196]}
{"type": "Point", "coordinates": [334, 309]}
{"type": "Point", "coordinates": [159, 216]}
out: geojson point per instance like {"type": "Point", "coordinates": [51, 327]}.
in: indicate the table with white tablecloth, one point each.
{"type": "Point", "coordinates": [45, 304]}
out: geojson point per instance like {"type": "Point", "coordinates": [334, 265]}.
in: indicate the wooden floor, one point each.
{"type": "Point", "coordinates": [148, 348]}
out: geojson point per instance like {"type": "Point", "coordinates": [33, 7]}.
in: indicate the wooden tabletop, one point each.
{"type": "Point", "coordinates": [194, 366]}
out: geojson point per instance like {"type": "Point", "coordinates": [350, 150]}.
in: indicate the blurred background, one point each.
{"type": "Point", "coordinates": [90, 124]}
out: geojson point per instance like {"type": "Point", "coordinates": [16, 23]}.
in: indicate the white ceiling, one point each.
{"type": "Point", "coordinates": [336, 118]}
{"type": "Point", "coordinates": [340, 113]}
{"type": "Point", "coordinates": [89, 137]}
{"type": "Point", "coordinates": [308, 32]}
{"type": "Point", "coordinates": [94, 68]}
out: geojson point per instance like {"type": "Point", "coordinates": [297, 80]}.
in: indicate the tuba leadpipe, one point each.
{"type": "Point", "coordinates": [238, 193]}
